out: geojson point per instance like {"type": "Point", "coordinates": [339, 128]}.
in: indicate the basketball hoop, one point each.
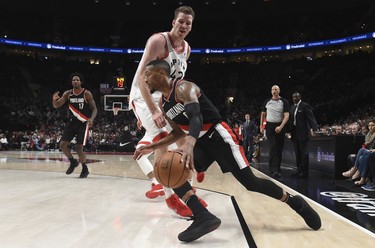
{"type": "Point", "coordinates": [115, 110]}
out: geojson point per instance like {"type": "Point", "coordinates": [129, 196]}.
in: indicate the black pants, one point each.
{"type": "Point", "coordinates": [301, 150]}
{"type": "Point", "coordinates": [221, 145]}
{"type": "Point", "coordinates": [276, 143]}
{"type": "Point", "coordinates": [248, 146]}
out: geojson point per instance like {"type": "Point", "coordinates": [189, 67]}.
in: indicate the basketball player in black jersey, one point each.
{"type": "Point", "coordinates": [83, 107]}
{"type": "Point", "coordinates": [209, 139]}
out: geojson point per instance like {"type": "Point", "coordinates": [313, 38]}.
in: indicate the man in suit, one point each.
{"type": "Point", "coordinates": [303, 124]}
{"type": "Point", "coordinates": [249, 131]}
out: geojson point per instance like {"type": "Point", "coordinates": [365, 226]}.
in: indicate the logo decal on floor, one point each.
{"type": "Point", "coordinates": [358, 201]}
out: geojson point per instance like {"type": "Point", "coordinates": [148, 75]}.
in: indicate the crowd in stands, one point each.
{"type": "Point", "coordinates": [339, 88]}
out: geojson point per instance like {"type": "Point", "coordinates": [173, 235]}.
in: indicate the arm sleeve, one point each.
{"type": "Point", "coordinates": [193, 112]}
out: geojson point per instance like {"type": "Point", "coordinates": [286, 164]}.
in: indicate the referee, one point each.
{"type": "Point", "coordinates": [275, 111]}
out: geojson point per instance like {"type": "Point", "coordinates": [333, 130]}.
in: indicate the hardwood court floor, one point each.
{"type": "Point", "coordinates": [40, 206]}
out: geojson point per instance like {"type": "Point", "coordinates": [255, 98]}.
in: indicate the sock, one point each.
{"type": "Point", "coordinates": [168, 192]}
{"type": "Point", "coordinates": [195, 205]}
{"type": "Point", "coordinates": [71, 159]}
{"type": "Point", "coordinates": [190, 181]}
{"type": "Point", "coordinates": [154, 181]}
{"type": "Point", "coordinates": [84, 167]}
{"type": "Point", "coordinates": [294, 203]}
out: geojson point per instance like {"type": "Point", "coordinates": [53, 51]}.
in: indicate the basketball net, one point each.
{"type": "Point", "coordinates": [115, 111]}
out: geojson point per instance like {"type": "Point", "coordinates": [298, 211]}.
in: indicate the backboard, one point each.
{"type": "Point", "coordinates": [116, 101]}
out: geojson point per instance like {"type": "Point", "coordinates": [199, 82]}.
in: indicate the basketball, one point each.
{"type": "Point", "coordinates": [170, 171]}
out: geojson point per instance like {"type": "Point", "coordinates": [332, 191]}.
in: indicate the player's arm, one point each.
{"type": "Point", "coordinates": [92, 105]}
{"type": "Point", "coordinates": [155, 48]}
{"type": "Point", "coordinates": [171, 138]}
{"type": "Point", "coordinates": [187, 92]}
{"type": "Point", "coordinates": [58, 101]}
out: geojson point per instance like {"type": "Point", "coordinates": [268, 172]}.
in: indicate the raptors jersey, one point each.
{"type": "Point", "coordinates": [79, 106]}
{"type": "Point", "coordinates": [176, 111]}
{"type": "Point", "coordinates": [177, 62]}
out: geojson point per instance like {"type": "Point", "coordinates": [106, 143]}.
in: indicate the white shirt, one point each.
{"type": "Point", "coordinates": [295, 113]}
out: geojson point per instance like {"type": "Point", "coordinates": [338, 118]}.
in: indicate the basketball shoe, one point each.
{"type": "Point", "coordinates": [200, 176]}
{"type": "Point", "coordinates": [156, 190]}
{"type": "Point", "coordinates": [203, 223]}
{"type": "Point", "coordinates": [72, 166]}
{"type": "Point", "coordinates": [84, 173]}
{"type": "Point", "coordinates": [178, 206]}
{"type": "Point", "coordinates": [311, 217]}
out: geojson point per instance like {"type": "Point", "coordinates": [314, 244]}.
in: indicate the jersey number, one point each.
{"type": "Point", "coordinates": [177, 77]}
{"type": "Point", "coordinates": [81, 105]}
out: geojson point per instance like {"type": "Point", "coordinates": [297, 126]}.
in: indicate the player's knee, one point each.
{"type": "Point", "coordinates": [63, 145]}
{"type": "Point", "coordinates": [79, 148]}
{"type": "Point", "coordinates": [253, 183]}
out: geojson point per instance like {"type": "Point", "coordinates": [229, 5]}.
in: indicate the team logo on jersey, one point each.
{"type": "Point", "coordinates": [175, 111]}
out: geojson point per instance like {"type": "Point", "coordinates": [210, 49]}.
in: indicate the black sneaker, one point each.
{"type": "Point", "coordinates": [72, 166]}
{"type": "Point", "coordinates": [84, 173]}
{"type": "Point", "coordinates": [311, 217]}
{"type": "Point", "coordinates": [204, 223]}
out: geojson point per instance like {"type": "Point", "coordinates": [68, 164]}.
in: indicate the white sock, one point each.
{"type": "Point", "coordinates": [154, 181]}
{"type": "Point", "coordinates": [168, 192]}
{"type": "Point", "coordinates": [190, 181]}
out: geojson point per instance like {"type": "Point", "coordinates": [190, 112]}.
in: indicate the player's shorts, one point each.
{"type": "Point", "coordinates": [219, 144]}
{"type": "Point", "coordinates": [143, 114]}
{"type": "Point", "coordinates": [76, 128]}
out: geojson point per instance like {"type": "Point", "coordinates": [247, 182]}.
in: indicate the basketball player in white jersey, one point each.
{"type": "Point", "coordinates": [171, 47]}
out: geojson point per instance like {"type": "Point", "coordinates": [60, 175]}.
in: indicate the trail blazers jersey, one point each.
{"type": "Point", "coordinates": [176, 111]}
{"type": "Point", "coordinates": [79, 106]}
{"type": "Point", "coordinates": [177, 62]}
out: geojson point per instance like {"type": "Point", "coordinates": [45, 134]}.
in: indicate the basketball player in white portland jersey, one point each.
{"type": "Point", "coordinates": [171, 47]}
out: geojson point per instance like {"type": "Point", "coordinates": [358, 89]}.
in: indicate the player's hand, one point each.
{"type": "Point", "coordinates": [143, 150]}
{"type": "Point", "coordinates": [159, 119]}
{"type": "Point", "coordinates": [56, 95]}
{"type": "Point", "coordinates": [90, 122]}
{"type": "Point", "coordinates": [187, 155]}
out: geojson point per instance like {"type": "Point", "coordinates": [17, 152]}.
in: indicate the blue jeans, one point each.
{"type": "Point", "coordinates": [360, 153]}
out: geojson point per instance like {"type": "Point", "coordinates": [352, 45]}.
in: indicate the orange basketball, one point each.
{"type": "Point", "coordinates": [170, 171]}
